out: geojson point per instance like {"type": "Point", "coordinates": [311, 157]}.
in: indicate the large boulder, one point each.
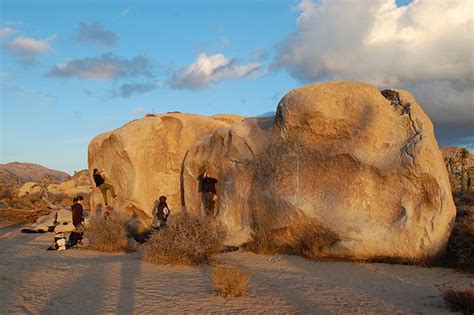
{"type": "Point", "coordinates": [362, 163]}
{"type": "Point", "coordinates": [143, 158]}
{"type": "Point", "coordinates": [31, 189]}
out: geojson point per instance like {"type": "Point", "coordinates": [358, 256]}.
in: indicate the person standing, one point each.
{"type": "Point", "coordinates": [209, 194]}
{"type": "Point", "coordinates": [77, 221]}
{"type": "Point", "coordinates": [99, 180]}
{"type": "Point", "coordinates": [160, 213]}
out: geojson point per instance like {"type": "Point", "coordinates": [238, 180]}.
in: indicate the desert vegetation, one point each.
{"type": "Point", "coordinates": [459, 164]}
{"type": "Point", "coordinates": [189, 239]}
{"type": "Point", "coordinates": [460, 253]}
{"type": "Point", "coordinates": [459, 300]}
{"type": "Point", "coordinates": [230, 281]}
{"type": "Point", "coordinates": [306, 238]}
{"type": "Point", "coordinates": [109, 233]}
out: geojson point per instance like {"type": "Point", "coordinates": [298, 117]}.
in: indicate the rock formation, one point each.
{"type": "Point", "coordinates": [31, 189]}
{"type": "Point", "coordinates": [362, 163]}
{"type": "Point", "coordinates": [79, 184]}
{"type": "Point", "coordinates": [143, 159]}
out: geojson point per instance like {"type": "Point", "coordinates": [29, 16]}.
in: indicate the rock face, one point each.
{"type": "Point", "coordinates": [143, 159]}
{"type": "Point", "coordinates": [362, 163]}
{"type": "Point", "coordinates": [79, 184]}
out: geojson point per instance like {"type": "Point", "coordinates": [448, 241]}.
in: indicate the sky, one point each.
{"type": "Point", "coordinates": [71, 70]}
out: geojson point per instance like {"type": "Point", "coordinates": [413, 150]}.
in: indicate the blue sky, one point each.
{"type": "Point", "coordinates": [72, 70]}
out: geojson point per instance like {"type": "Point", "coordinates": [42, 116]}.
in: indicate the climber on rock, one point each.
{"type": "Point", "coordinates": [99, 179]}
{"type": "Point", "coordinates": [209, 194]}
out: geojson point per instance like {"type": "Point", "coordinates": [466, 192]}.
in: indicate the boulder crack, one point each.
{"type": "Point", "coordinates": [416, 137]}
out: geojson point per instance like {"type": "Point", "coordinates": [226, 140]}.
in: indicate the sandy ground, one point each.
{"type": "Point", "coordinates": [33, 280]}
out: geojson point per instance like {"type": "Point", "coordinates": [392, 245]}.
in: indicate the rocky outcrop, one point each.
{"type": "Point", "coordinates": [143, 159]}
{"type": "Point", "coordinates": [32, 190]}
{"type": "Point", "coordinates": [78, 184]}
{"type": "Point", "coordinates": [362, 163]}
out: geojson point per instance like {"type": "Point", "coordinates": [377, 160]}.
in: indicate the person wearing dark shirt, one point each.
{"type": "Point", "coordinates": [160, 213]}
{"type": "Point", "coordinates": [103, 186]}
{"type": "Point", "coordinates": [77, 221]}
{"type": "Point", "coordinates": [209, 194]}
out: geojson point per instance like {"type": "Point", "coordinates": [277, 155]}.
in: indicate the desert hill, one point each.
{"type": "Point", "coordinates": [15, 173]}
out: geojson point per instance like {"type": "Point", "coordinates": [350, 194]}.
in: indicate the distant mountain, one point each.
{"type": "Point", "coordinates": [15, 173]}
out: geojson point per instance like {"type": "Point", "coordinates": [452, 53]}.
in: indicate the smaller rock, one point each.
{"type": "Point", "coordinates": [64, 216]}
{"type": "Point", "coordinates": [64, 228]}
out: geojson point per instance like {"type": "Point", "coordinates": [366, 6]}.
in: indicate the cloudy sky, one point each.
{"type": "Point", "coordinates": [73, 69]}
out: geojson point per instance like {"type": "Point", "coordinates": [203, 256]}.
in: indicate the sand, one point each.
{"type": "Point", "coordinates": [33, 280]}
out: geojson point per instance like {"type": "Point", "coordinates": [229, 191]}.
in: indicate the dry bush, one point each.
{"type": "Point", "coordinates": [230, 281]}
{"type": "Point", "coordinates": [460, 252]}
{"type": "Point", "coordinates": [306, 238]}
{"type": "Point", "coordinates": [150, 115]}
{"type": "Point", "coordinates": [261, 242]}
{"type": "Point", "coordinates": [189, 239]}
{"type": "Point", "coordinates": [109, 234]}
{"type": "Point", "coordinates": [459, 300]}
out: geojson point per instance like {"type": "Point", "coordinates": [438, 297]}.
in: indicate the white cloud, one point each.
{"type": "Point", "coordinates": [210, 69]}
{"type": "Point", "coordinates": [31, 46]}
{"type": "Point", "coordinates": [27, 48]}
{"type": "Point", "coordinates": [425, 47]}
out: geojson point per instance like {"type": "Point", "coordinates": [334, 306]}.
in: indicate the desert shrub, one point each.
{"type": "Point", "coordinates": [109, 234]}
{"type": "Point", "coordinates": [308, 239]}
{"type": "Point", "coordinates": [261, 242]}
{"type": "Point", "coordinates": [305, 238]}
{"type": "Point", "coordinates": [150, 115]}
{"type": "Point", "coordinates": [460, 253]}
{"type": "Point", "coordinates": [230, 281]}
{"type": "Point", "coordinates": [189, 239]}
{"type": "Point", "coordinates": [459, 300]}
